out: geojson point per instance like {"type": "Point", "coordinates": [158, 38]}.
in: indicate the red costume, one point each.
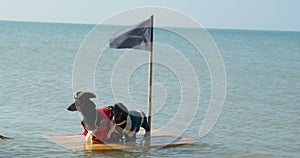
{"type": "Point", "coordinates": [101, 132]}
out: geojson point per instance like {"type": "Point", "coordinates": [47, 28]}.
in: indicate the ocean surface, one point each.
{"type": "Point", "coordinates": [260, 116]}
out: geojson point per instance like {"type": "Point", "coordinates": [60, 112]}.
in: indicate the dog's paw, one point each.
{"type": "Point", "coordinates": [147, 134]}
{"type": "Point", "coordinates": [88, 139]}
{"type": "Point", "coordinates": [89, 136]}
{"type": "Point", "coordinates": [129, 133]}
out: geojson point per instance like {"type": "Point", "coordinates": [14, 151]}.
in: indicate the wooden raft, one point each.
{"type": "Point", "coordinates": [159, 139]}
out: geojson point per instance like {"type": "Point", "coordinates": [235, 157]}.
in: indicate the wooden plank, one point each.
{"type": "Point", "coordinates": [159, 139]}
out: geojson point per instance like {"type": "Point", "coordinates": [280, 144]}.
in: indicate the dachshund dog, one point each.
{"type": "Point", "coordinates": [97, 123]}
{"type": "Point", "coordinates": [130, 121]}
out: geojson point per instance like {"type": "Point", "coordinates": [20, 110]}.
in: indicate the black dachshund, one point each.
{"type": "Point", "coordinates": [130, 121]}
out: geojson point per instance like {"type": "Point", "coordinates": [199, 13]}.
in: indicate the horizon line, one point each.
{"type": "Point", "coordinates": [208, 28]}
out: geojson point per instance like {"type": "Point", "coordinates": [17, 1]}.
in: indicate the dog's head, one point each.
{"type": "Point", "coordinates": [82, 101]}
{"type": "Point", "coordinates": [120, 112]}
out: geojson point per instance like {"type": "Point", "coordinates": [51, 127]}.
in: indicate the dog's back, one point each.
{"type": "Point", "coordinates": [137, 119]}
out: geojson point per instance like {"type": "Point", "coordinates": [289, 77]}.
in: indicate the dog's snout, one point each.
{"type": "Point", "coordinates": [72, 107]}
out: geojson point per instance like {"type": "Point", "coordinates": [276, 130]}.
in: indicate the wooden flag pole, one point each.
{"type": "Point", "coordinates": [150, 75]}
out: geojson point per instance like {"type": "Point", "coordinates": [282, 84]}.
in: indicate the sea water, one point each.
{"type": "Point", "coordinates": [260, 116]}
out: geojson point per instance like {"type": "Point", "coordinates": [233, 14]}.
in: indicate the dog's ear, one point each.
{"type": "Point", "coordinates": [78, 95]}
{"type": "Point", "coordinates": [84, 95]}
{"type": "Point", "coordinates": [121, 107]}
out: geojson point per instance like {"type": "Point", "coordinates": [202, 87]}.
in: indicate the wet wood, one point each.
{"type": "Point", "coordinates": [158, 139]}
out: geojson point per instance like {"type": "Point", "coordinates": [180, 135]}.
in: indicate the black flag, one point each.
{"type": "Point", "coordinates": [138, 36]}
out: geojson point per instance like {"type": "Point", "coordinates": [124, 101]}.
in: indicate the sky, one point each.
{"type": "Point", "coordinates": [228, 14]}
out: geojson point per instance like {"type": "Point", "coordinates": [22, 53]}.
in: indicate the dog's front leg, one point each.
{"type": "Point", "coordinates": [89, 136]}
{"type": "Point", "coordinates": [112, 129]}
{"type": "Point", "coordinates": [131, 133]}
